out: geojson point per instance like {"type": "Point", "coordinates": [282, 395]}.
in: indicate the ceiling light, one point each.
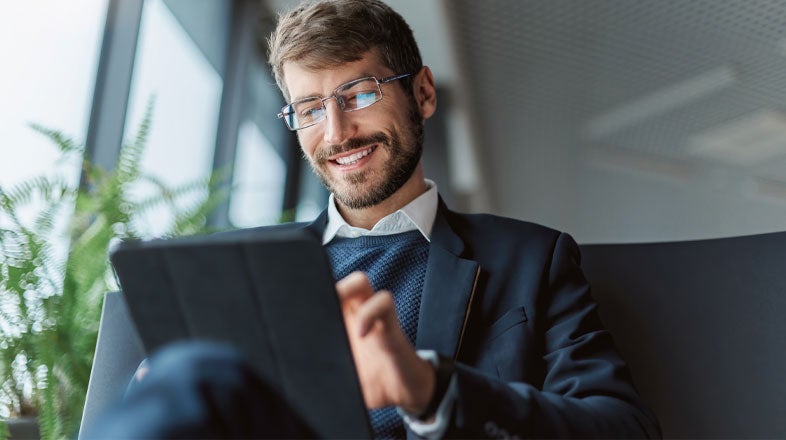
{"type": "Point", "coordinates": [659, 102]}
{"type": "Point", "coordinates": [748, 140]}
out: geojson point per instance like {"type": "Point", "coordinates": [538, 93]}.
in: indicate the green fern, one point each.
{"type": "Point", "coordinates": [4, 433]}
{"type": "Point", "coordinates": [66, 144]}
{"type": "Point", "coordinates": [50, 308]}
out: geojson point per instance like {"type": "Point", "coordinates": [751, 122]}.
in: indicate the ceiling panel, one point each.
{"type": "Point", "coordinates": [649, 64]}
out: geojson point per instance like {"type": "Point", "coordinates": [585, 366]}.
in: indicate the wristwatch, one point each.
{"type": "Point", "coordinates": [444, 369]}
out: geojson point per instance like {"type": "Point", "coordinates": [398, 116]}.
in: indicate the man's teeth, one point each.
{"type": "Point", "coordinates": [352, 158]}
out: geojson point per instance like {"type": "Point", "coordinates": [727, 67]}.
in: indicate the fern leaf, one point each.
{"type": "Point", "coordinates": [129, 162]}
{"type": "Point", "coordinates": [54, 329]}
{"type": "Point", "coordinates": [66, 144]}
{"type": "Point", "coordinates": [50, 190]}
{"type": "Point", "coordinates": [193, 219]}
{"type": "Point", "coordinates": [47, 414]}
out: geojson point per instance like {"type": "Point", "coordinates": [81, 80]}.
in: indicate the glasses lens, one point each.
{"type": "Point", "coordinates": [289, 117]}
{"type": "Point", "coordinates": [304, 113]}
{"type": "Point", "coordinates": [358, 94]}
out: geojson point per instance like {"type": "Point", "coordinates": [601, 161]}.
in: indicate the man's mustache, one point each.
{"type": "Point", "coordinates": [321, 156]}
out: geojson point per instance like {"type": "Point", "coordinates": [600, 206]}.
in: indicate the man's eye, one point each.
{"type": "Point", "coordinates": [361, 99]}
{"type": "Point", "coordinates": [310, 113]}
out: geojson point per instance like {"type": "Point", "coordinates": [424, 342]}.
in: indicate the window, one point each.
{"type": "Point", "coordinates": [50, 57]}
{"type": "Point", "coordinates": [186, 92]}
{"type": "Point", "coordinates": [258, 186]}
{"type": "Point", "coordinates": [50, 51]}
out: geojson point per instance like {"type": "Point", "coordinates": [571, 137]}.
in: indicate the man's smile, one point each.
{"type": "Point", "coordinates": [352, 157]}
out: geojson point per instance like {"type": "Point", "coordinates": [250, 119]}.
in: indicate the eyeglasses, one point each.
{"type": "Point", "coordinates": [351, 96]}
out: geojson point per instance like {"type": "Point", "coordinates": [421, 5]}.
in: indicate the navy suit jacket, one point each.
{"type": "Point", "coordinates": [508, 301]}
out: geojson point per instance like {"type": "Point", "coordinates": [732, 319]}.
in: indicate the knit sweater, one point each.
{"type": "Point", "coordinates": [396, 263]}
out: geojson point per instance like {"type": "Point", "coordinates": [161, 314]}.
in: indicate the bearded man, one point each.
{"type": "Point", "coordinates": [460, 325]}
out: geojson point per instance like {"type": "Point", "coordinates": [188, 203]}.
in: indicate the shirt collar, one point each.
{"type": "Point", "coordinates": [418, 214]}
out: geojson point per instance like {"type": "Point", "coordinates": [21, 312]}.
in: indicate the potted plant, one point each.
{"type": "Point", "coordinates": [50, 297]}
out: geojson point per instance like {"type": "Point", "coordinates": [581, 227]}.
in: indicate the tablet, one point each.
{"type": "Point", "coordinates": [271, 295]}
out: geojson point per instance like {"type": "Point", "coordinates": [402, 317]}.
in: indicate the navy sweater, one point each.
{"type": "Point", "coordinates": [396, 263]}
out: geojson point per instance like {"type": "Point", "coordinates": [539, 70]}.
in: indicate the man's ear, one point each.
{"type": "Point", "coordinates": [425, 92]}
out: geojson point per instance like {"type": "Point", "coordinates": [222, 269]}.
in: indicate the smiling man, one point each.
{"type": "Point", "coordinates": [460, 325]}
{"type": "Point", "coordinates": [499, 307]}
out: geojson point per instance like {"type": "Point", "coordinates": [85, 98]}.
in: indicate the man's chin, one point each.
{"type": "Point", "coordinates": [359, 196]}
{"type": "Point", "coordinates": [355, 191]}
{"type": "Point", "coordinates": [356, 201]}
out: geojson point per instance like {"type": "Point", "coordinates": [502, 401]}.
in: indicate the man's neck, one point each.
{"type": "Point", "coordinates": [366, 218]}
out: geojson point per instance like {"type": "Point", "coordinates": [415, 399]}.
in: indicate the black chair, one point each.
{"type": "Point", "coordinates": [702, 325]}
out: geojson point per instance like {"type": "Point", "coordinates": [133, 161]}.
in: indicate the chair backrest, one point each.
{"type": "Point", "coordinates": [702, 325]}
{"type": "Point", "coordinates": [118, 352]}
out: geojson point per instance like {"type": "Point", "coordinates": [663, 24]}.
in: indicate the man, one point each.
{"type": "Point", "coordinates": [512, 344]}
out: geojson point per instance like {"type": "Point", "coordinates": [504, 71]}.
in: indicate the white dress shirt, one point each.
{"type": "Point", "coordinates": [418, 214]}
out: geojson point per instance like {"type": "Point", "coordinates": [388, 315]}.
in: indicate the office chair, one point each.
{"type": "Point", "coordinates": [702, 325]}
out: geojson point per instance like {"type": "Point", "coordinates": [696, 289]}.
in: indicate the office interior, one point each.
{"type": "Point", "coordinates": [615, 121]}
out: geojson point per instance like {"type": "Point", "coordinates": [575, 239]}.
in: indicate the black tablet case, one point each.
{"type": "Point", "coordinates": [270, 295]}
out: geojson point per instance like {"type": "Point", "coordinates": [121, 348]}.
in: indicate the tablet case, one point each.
{"type": "Point", "coordinates": [271, 296]}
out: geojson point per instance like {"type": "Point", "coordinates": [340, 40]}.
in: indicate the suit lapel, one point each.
{"type": "Point", "coordinates": [447, 291]}
{"type": "Point", "coordinates": [317, 227]}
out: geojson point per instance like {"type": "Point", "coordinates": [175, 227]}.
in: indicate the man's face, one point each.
{"type": "Point", "coordinates": [365, 156]}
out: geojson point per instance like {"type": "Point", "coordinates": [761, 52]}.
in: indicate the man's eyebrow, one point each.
{"type": "Point", "coordinates": [317, 95]}
{"type": "Point", "coordinates": [367, 74]}
{"type": "Point", "coordinates": [300, 98]}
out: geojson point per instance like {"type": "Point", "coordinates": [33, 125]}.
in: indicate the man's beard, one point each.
{"type": "Point", "coordinates": [364, 193]}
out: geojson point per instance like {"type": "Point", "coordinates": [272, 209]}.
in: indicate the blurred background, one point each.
{"type": "Point", "coordinates": [615, 120]}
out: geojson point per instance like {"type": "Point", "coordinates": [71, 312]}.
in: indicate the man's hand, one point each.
{"type": "Point", "coordinates": [390, 371]}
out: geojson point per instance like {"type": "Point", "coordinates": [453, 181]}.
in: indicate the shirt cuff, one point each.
{"type": "Point", "coordinates": [436, 428]}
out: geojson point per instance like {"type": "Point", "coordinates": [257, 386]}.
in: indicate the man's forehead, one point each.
{"type": "Point", "coordinates": [304, 80]}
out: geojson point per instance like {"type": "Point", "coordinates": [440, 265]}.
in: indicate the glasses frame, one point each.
{"type": "Point", "coordinates": [287, 109]}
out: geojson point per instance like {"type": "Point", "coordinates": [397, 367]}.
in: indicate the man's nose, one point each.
{"type": "Point", "coordinates": [337, 125]}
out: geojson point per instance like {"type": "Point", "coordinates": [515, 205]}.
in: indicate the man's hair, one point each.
{"type": "Point", "coordinates": [330, 33]}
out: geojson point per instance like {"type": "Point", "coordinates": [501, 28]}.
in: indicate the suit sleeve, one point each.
{"type": "Point", "coordinates": [586, 392]}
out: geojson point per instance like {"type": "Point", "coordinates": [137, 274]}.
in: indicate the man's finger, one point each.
{"type": "Point", "coordinates": [378, 308]}
{"type": "Point", "coordinates": [354, 285]}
